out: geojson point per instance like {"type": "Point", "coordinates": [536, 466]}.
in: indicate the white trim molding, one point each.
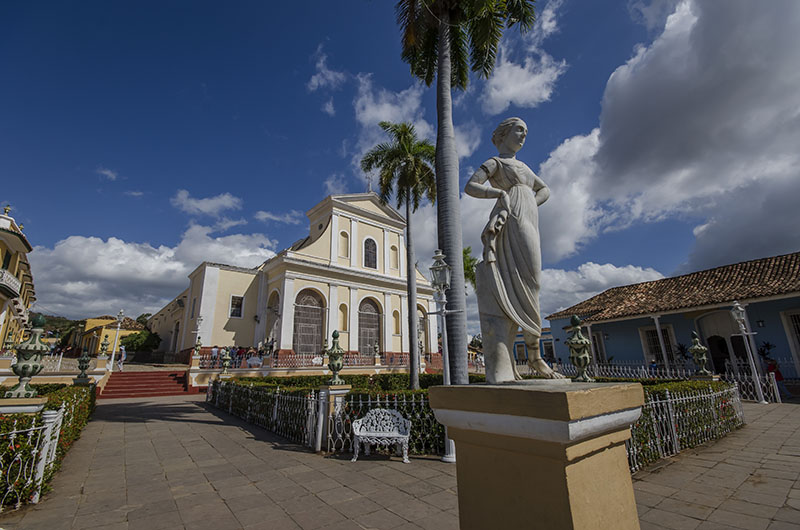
{"type": "Point", "coordinates": [558, 431]}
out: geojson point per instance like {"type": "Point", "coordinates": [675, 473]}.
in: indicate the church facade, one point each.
{"type": "Point", "coordinates": [348, 274]}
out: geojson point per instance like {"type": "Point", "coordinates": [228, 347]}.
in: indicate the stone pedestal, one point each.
{"type": "Point", "coordinates": [22, 405]}
{"type": "Point", "coordinates": [540, 454]}
{"type": "Point", "coordinates": [331, 398]}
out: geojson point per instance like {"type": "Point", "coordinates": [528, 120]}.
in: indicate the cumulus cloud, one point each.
{"type": "Point", "coordinates": [134, 193]}
{"type": "Point", "coordinates": [525, 74]}
{"type": "Point", "coordinates": [328, 108]}
{"type": "Point", "coordinates": [324, 76]}
{"type": "Point", "coordinates": [212, 206]}
{"type": "Point", "coordinates": [335, 184]}
{"type": "Point", "coordinates": [293, 217]}
{"type": "Point", "coordinates": [468, 138]}
{"type": "Point", "coordinates": [375, 104]}
{"type": "Point", "coordinates": [703, 122]}
{"type": "Point", "coordinates": [88, 276]}
{"type": "Point", "coordinates": [107, 173]}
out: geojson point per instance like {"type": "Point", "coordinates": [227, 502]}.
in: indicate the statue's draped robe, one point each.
{"type": "Point", "coordinates": [511, 246]}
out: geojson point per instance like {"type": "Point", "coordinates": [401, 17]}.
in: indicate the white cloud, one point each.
{"type": "Point", "coordinates": [134, 193]}
{"type": "Point", "coordinates": [468, 138]}
{"type": "Point", "coordinates": [88, 276]}
{"type": "Point", "coordinates": [328, 108]}
{"type": "Point", "coordinates": [529, 81]}
{"type": "Point", "coordinates": [528, 84]}
{"type": "Point", "coordinates": [212, 206]}
{"type": "Point", "coordinates": [701, 123]}
{"type": "Point", "coordinates": [335, 184]}
{"type": "Point", "coordinates": [375, 104]}
{"type": "Point", "coordinates": [107, 173]}
{"type": "Point", "coordinates": [324, 76]}
{"type": "Point", "coordinates": [293, 217]}
{"type": "Point", "coordinates": [564, 288]}
{"type": "Point", "coordinates": [226, 224]}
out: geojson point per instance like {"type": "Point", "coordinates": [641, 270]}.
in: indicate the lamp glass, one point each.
{"type": "Point", "coordinates": [440, 272]}
{"type": "Point", "coordinates": [737, 312]}
{"type": "Point", "coordinates": [120, 316]}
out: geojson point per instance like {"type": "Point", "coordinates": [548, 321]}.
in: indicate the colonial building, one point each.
{"type": "Point", "coordinates": [649, 321]}
{"type": "Point", "coordinates": [16, 280]}
{"type": "Point", "coordinates": [349, 275]}
{"type": "Point", "coordinates": [97, 328]}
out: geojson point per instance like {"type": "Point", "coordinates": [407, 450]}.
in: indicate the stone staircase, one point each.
{"type": "Point", "coordinates": [144, 384]}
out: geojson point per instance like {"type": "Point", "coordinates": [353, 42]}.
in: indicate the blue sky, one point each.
{"type": "Point", "coordinates": [137, 140]}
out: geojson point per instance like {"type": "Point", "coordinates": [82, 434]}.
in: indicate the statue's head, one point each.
{"type": "Point", "coordinates": [509, 126]}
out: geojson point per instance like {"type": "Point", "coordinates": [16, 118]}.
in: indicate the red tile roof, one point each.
{"type": "Point", "coordinates": [747, 280]}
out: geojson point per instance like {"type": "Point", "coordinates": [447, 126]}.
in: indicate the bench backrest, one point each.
{"type": "Point", "coordinates": [382, 421]}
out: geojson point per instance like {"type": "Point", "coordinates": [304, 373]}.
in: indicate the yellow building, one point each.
{"type": "Point", "coordinates": [97, 328]}
{"type": "Point", "coordinates": [349, 275]}
{"type": "Point", "coordinates": [16, 280]}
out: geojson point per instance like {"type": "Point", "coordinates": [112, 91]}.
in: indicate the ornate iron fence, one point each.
{"type": "Point", "coordinates": [427, 434]}
{"type": "Point", "coordinates": [682, 420]}
{"type": "Point", "coordinates": [291, 416]}
{"type": "Point", "coordinates": [27, 453]}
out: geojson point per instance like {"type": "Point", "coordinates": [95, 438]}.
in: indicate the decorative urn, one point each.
{"type": "Point", "coordinates": [29, 361]}
{"type": "Point", "coordinates": [699, 355]}
{"type": "Point", "coordinates": [579, 351]}
{"type": "Point", "coordinates": [335, 363]}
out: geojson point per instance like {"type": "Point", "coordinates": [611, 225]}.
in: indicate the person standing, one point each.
{"type": "Point", "coordinates": [772, 366]}
{"type": "Point", "coordinates": [122, 357]}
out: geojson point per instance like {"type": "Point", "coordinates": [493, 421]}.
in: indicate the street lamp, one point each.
{"type": "Point", "coordinates": [120, 318]}
{"type": "Point", "coordinates": [440, 280]}
{"type": "Point", "coordinates": [739, 317]}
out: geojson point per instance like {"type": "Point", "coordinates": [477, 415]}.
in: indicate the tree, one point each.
{"type": "Point", "coordinates": [143, 341]}
{"type": "Point", "coordinates": [404, 169]}
{"type": "Point", "coordinates": [470, 262]}
{"type": "Point", "coordinates": [142, 319]}
{"type": "Point", "coordinates": [445, 39]}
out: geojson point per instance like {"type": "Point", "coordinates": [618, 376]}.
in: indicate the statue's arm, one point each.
{"type": "Point", "coordinates": [541, 190]}
{"type": "Point", "coordinates": [478, 185]}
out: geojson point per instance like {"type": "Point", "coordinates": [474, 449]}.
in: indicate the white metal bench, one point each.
{"type": "Point", "coordinates": [381, 427]}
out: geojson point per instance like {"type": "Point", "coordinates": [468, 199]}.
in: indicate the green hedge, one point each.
{"type": "Point", "coordinates": [79, 404]}
{"type": "Point", "coordinates": [375, 382]}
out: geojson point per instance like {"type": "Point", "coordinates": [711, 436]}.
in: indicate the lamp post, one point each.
{"type": "Point", "coordinates": [120, 318]}
{"type": "Point", "coordinates": [440, 280]}
{"type": "Point", "coordinates": [739, 317]}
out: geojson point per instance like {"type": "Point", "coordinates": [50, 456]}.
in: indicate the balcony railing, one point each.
{"type": "Point", "coordinates": [10, 283]}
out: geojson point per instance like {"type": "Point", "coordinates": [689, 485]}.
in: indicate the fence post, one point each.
{"type": "Point", "coordinates": [230, 399]}
{"type": "Point", "coordinates": [672, 425]}
{"type": "Point", "coordinates": [775, 389]}
{"type": "Point", "coordinates": [322, 407]}
{"type": "Point", "coordinates": [49, 419]}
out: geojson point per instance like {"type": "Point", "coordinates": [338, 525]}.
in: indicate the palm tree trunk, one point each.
{"type": "Point", "coordinates": [449, 209]}
{"type": "Point", "coordinates": [413, 349]}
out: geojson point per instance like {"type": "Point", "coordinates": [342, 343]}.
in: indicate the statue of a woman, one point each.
{"type": "Point", "coordinates": [509, 276]}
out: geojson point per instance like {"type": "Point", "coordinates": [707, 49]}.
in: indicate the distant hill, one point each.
{"type": "Point", "coordinates": [58, 325]}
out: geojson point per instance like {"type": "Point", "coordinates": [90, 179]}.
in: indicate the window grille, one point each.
{"type": "Point", "coordinates": [548, 352]}
{"type": "Point", "coordinates": [369, 326]}
{"type": "Point", "coordinates": [370, 254]}
{"type": "Point", "coordinates": [654, 347]}
{"type": "Point", "coordinates": [519, 352]}
{"type": "Point", "coordinates": [309, 318]}
{"type": "Point", "coordinates": [236, 306]}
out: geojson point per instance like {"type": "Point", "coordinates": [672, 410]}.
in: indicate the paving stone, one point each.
{"type": "Point", "coordinates": [382, 519]}
{"type": "Point", "coordinates": [672, 520]}
{"type": "Point", "coordinates": [748, 508]}
{"type": "Point", "coordinates": [696, 511]}
{"type": "Point", "coordinates": [317, 517]}
{"type": "Point", "coordinates": [738, 520]}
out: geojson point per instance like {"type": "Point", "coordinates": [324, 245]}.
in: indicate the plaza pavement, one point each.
{"type": "Point", "coordinates": [173, 463]}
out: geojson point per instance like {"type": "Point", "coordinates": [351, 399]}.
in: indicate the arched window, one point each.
{"type": "Point", "coordinates": [344, 245]}
{"type": "Point", "coordinates": [369, 326]}
{"type": "Point", "coordinates": [394, 258]}
{"type": "Point", "coordinates": [343, 322]}
{"type": "Point", "coordinates": [309, 318]}
{"type": "Point", "coordinates": [370, 254]}
{"type": "Point", "coordinates": [396, 320]}
{"type": "Point", "coordinates": [273, 310]}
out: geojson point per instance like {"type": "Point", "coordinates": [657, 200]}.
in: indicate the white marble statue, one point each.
{"type": "Point", "coordinates": [509, 276]}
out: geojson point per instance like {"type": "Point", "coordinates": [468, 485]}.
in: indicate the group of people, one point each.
{"type": "Point", "coordinates": [240, 356]}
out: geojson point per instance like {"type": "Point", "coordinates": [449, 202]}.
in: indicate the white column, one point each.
{"type": "Point", "coordinates": [333, 310]}
{"type": "Point", "coordinates": [406, 346]}
{"type": "Point", "coordinates": [354, 262]}
{"type": "Point", "coordinates": [287, 314]}
{"type": "Point", "coordinates": [401, 249]}
{"type": "Point", "coordinates": [433, 338]}
{"type": "Point", "coordinates": [661, 340]}
{"type": "Point", "coordinates": [752, 341]}
{"type": "Point", "coordinates": [334, 238]}
{"type": "Point", "coordinates": [388, 320]}
{"type": "Point", "coordinates": [385, 267]}
{"type": "Point", "coordinates": [353, 315]}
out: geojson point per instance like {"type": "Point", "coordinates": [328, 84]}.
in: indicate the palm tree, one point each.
{"type": "Point", "coordinates": [405, 170]}
{"type": "Point", "coordinates": [446, 38]}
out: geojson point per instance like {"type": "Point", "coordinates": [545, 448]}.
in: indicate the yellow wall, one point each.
{"type": "Point", "coordinates": [345, 225]}
{"type": "Point", "coordinates": [232, 331]}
